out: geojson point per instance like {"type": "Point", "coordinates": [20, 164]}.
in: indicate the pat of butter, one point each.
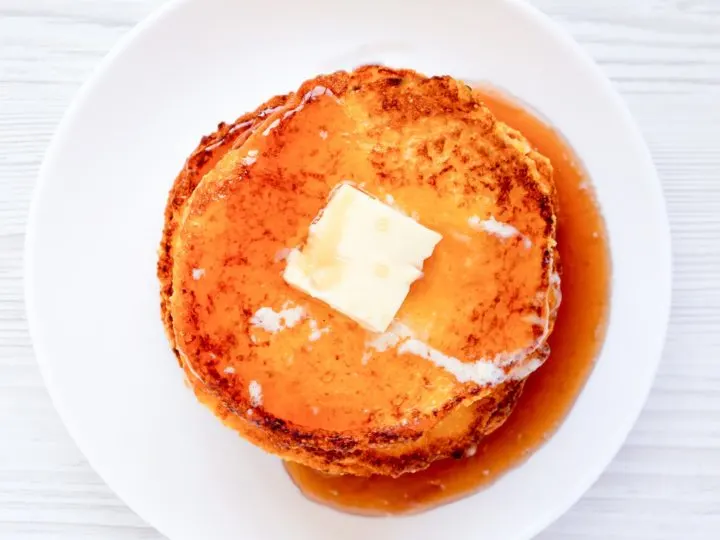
{"type": "Point", "coordinates": [361, 257]}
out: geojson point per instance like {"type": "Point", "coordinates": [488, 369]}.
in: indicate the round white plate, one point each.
{"type": "Point", "coordinates": [92, 295]}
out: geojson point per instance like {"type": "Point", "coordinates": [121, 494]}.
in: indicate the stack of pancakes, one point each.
{"type": "Point", "coordinates": [305, 382]}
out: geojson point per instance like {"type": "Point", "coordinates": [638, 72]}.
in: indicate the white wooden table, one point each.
{"type": "Point", "coordinates": [663, 55]}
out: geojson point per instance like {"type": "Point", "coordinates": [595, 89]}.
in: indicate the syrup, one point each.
{"type": "Point", "coordinates": [549, 393]}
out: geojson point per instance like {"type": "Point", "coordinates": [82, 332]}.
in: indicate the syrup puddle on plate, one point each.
{"type": "Point", "coordinates": [549, 393]}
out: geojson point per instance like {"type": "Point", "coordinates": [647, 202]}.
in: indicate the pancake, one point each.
{"type": "Point", "coordinates": [321, 390]}
{"type": "Point", "coordinates": [203, 159]}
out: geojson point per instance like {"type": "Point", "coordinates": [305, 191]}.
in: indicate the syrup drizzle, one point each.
{"type": "Point", "coordinates": [549, 393]}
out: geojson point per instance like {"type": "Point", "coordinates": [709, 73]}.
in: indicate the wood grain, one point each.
{"type": "Point", "coordinates": [663, 56]}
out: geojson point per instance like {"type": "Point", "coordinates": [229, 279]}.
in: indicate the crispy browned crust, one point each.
{"type": "Point", "coordinates": [388, 454]}
{"type": "Point", "coordinates": [390, 450]}
{"type": "Point", "coordinates": [211, 148]}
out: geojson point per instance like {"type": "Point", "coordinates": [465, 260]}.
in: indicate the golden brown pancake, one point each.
{"type": "Point", "coordinates": [203, 159]}
{"type": "Point", "coordinates": [322, 390]}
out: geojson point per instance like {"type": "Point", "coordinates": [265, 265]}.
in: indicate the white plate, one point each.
{"type": "Point", "coordinates": [92, 295]}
